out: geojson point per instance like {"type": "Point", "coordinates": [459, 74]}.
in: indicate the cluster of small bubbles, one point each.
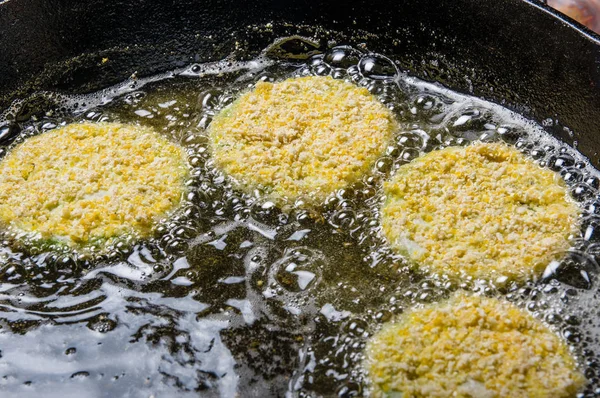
{"type": "Point", "coordinates": [133, 98]}
{"type": "Point", "coordinates": [342, 57]}
{"type": "Point", "coordinates": [266, 211]}
{"type": "Point", "coordinates": [423, 107]}
{"type": "Point", "coordinates": [471, 121]}
{"type": "Point", "coordinates": [317, 67]}
{"type": "Point", "coordinates": [377, 67]}
{"type": "Point", "coordinates": [102, 323]}
{"type": "Point", "coordinates": [298, 270]}
{"type": "Point", "coordinates": [211, 102]}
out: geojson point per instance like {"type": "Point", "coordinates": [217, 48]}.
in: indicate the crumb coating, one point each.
{"type": "Point", "coordinates": [484, 210]}
{"type": "Point", "coordinates": [470, 347]}
{"type": "Point", "coordinates": [88, 182]}
{"type": "Point", "coordinates": [303, 137]}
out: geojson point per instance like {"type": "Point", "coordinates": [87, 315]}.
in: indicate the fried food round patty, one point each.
{"type": "Point", "coordinates": [85, 183]}
{"type": "Point", "coordinates": [304, 137]}
{"type": "Point", "coordinates": [484, 210]}
{"type": "Point", "coordinates": [470, 347]}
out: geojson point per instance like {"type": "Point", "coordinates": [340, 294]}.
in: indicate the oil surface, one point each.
{"type": "Point", "coordinates": [234, 296]}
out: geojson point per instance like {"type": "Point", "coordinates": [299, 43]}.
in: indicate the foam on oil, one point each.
{"type": "Point", "coordinates": [234, 294]}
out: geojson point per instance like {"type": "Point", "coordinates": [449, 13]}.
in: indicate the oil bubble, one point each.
{"type": "Point", "coordinates": [377, 67]}
{"type": "Point", "coordinates": [342, 57]}
{"type": "Point", "coordinates": [102, 324]}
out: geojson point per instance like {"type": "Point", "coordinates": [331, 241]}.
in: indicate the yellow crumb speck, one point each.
{"type": "Point", "coordinates": [304, 137]}
{"type": "Point", "coordinates": [88, 182]}
{"type": "Point", "coordinates": [483, 210]}
{"type": "Point", "coordinates": [104, 60]}
{"type": "Point", "coordinates": [470, 347]}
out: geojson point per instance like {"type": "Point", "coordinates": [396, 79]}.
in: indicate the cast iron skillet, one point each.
{"type": "Point", "coordinates": [517, 53]}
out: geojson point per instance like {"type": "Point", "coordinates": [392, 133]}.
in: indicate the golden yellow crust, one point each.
{"type": "Point", "coordinates": [470, 347]}
{"type": "Point", "coordinates": [303, 137]}
{"type": "Point", "coordinates": [88, 182]}
{"type": "Point", "coordinates": [483, 210]}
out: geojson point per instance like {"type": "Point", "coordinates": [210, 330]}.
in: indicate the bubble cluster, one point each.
{"type": "Point", "coordinates": [286, 298]}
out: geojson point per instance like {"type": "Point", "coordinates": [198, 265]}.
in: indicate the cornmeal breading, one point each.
{"type": "Point", "coordinates": [483, 210]}
{"type": "Point", "coordinates": [88, 182]}
{"type": "Point", "coordinates": [470, 347]}
{"type": "Point", "coordinates": [303, 137]}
